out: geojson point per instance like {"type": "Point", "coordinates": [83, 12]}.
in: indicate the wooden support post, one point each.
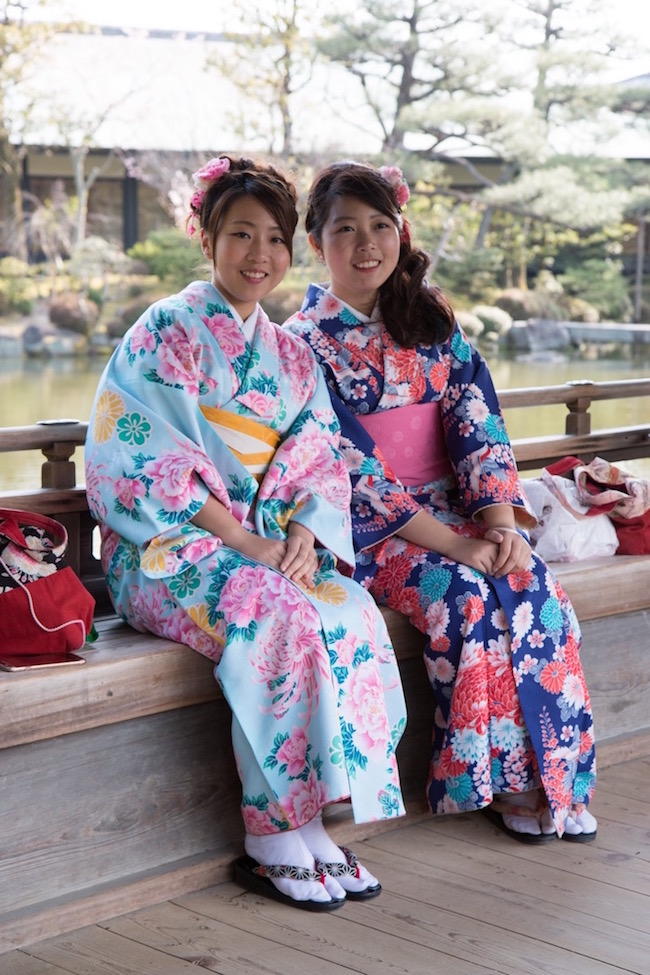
{"type": "Point", "coordinates": [578, 421]}
{"type": "Point", "coordinates": [58, 471]}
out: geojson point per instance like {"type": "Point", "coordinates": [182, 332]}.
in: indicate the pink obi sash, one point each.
{"type": "Point", "coordinates": [412, 441]}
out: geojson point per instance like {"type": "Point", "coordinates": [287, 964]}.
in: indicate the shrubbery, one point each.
{"type": "Point", "coordinates": [282, 302]}
{"type": "Point", "coordinates": [171, 256]}
{"type": "Point", "coordinates": [15, 288]}
{"type": "Point", "coordinates": [495, 320]}
{"type": "Point", "coordinates": [600, 283]}
{"type": "Point", "coordinates": [125, 315]}
{"type": "Point", "coordinates": [522, 305]}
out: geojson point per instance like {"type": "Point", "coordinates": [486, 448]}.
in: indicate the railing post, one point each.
{"type": "Point", "coordinates": [58, 471]}
{"type": "Point", "coordinates": [578, 421]}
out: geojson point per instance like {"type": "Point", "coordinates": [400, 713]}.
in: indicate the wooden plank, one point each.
{"type": "Point", "coordinates": [567, 392]}
{"type": "Point", "coordinates": [622, 442]}
{"type": "Point", "coordinates": [57, 915]}
{"type": "Point", "coordinates": [424, 921]}
{"type": "Point", "coordinates": [129, 674]}
{"type": "Point", "coordinates": [615, 658]}
{"type": "Point", "coordinates": [97, 952]}
{"type": "Point", "coordinates": [22, 963]}
{"type": "Point", "coordinates": [611, 860]}
{"type": "Point", "coordinates": [347, 937]}
{"type": "Point", "coordinates": [606, 586]}
{"type": "Point", "coordinates": [459, 897]}
{"type": "Point", "coordinates": [217, 945]}
{"type": "Point", "coordinates": [36, 436]}
{"type": "Point", "coordinates": [623, 748]}
{"type": "Point", "coordinates": [126, 675]}
{"type": "Point", "coordinates": [47, 501]}
{"type": "Point", "coordinates": [118, 803]}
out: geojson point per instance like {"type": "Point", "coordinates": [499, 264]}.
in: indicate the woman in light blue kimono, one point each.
{"type": "Point", "coordinates": [213, 468]}
{"type": "Point", "coordinates": [439, 519]}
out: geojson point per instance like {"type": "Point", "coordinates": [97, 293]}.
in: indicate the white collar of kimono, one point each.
{"type": "Point", "coordinates": [373, 320]}
{"type": "Point", "coordinates": [248, 326]}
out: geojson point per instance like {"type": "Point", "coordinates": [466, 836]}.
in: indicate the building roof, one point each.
{"type": "Point", "coordinates": [151, 89]}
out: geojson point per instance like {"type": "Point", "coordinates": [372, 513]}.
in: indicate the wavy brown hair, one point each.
{"type": "Point", "coordinates": [413, 312]}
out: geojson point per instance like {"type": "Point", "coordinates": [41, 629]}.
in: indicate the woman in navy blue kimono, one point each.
{"type": "Point", "coordinates": [440, 519]}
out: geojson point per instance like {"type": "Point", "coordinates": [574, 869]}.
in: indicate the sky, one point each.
{"type": "Point", "coordinates": [157, 92]}
{"type": "Point", "coordinates": [199, 120]}
{"type": "Point", "coordinates": [189, 15]}
{"type": "Point", "coordinates": [212, 15]}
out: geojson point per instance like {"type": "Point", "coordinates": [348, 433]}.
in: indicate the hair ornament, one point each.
{"type": "Point", "coordinates": [395, 176]}
{"type": "Point", "coordinates": [203, 179]}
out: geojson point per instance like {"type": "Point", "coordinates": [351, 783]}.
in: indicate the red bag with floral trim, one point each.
{"type": "Point", "coordinates": [44, 608]}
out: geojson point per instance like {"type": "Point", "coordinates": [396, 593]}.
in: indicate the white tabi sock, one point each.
{"type": "Point", "coordinates": [582, 822]}
{"type": "Point", "coordinates": [289, 849]}
{"type": "Point", "coordinates": [324, 848]}
{"type": "Point", "coordinates": [519, 821]}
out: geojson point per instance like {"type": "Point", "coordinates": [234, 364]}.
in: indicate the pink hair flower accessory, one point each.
{"type": "Point", "coordinates": [203, 179]}
{"type": "Point", "coordinates": [395, 176]}
{"type": "Point", "coordinates": [211, 172]}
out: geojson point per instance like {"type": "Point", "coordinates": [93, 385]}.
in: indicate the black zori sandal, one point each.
{"type": "Point", "coordinates": [257, 877]}
{"type": "Point", "coordinates": [349, 869]}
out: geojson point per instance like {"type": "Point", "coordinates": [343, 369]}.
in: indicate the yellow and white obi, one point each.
{"type": "Point", "coordinates": [252, 443]}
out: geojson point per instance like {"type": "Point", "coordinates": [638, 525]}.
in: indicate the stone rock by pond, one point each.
{"type": "Point", "coordinates": [37, 341]}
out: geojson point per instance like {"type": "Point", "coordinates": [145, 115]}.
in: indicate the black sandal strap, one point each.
{"type": "Point", "coordinates": [338, 869]}
{"type": "Point", "coordinates": [276, 871]}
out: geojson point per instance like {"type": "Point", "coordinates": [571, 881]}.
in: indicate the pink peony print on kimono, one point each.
{"type": "Point", "coordinates": [231, 339]}
{"type": "Point", "coordinates": [129, 491]}
{"type": "Point", "coordinates": [364, 708]}
{"type": "Point", "coordinates": [159, 445]}
{"type": "Point", "coordinates": [142, 340]}
{"type": "Point", "coordinates": [292, 753]}
{"type": "Point", "coordinates": [173, 482]}
{"type": "Point", "coordinates": [292, 673]}
{"type": "Point", "coordinates": [179, 361]}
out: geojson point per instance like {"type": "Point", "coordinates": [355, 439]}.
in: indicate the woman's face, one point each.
{"type": "Point", "coordinates": [360, 246]}
{"type": "Point", "coordinates": [250, 257]}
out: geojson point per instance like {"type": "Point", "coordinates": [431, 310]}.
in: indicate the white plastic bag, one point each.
{"type": "Point", "coordinates": [564, 532]}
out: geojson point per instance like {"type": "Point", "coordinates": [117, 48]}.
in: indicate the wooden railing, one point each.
{"type": "Point", "coordinates": [579, 439]}
{"type": "Point", "coordinates": [58, 440]}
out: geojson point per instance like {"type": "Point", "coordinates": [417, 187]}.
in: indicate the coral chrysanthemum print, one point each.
{"type": "Point", "coordinates": [502, 655]}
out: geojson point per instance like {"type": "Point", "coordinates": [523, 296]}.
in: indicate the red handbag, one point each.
{"type": "Point", "coordinates": [44, 608]}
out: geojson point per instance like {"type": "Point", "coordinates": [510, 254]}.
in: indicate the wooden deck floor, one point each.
{"type": "Point", "coordinates": [459, 898]}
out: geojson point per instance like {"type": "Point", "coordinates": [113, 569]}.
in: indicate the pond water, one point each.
{"type": "Point", "coordinates": [34, 389]}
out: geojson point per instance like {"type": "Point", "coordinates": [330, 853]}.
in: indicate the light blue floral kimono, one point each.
{"type": "Point", "coordinates": [190, 406]}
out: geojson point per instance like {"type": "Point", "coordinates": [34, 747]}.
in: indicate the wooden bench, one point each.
{"type": "Point", "coordinates": [118, 784]}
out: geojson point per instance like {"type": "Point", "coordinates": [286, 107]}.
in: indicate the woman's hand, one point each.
{"type": "Point", "coordinates": [295, 557]}
{"type": "Point", "coordinates": [478, 553]}
{"type": "Point", "coordinates": [514, 551]}
{"type": "Point", "coordinates": [501, 550]}
{"type": "Point", "coordinates": [301, 560]}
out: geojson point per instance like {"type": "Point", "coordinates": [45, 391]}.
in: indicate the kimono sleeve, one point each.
{"type": "Point", "coordinates": [477, 440]}
{"type": "Point", "coordinates": [307, 480]}
{"type": "Point", "coordinates": [147, 468]}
